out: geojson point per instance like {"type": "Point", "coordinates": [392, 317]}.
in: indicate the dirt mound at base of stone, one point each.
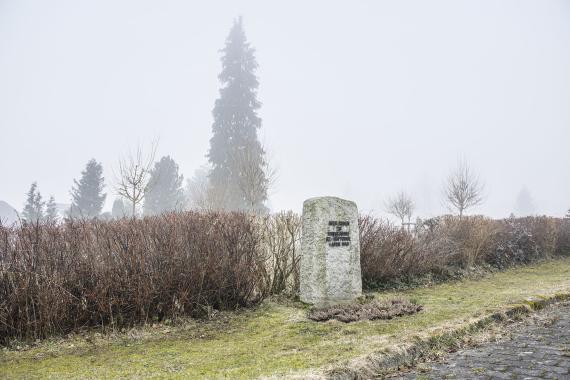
{"type": "Point", "coordinates": [365, 311]}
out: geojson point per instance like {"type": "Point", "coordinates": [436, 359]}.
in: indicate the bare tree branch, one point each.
{"type": "Point", "coordinates": [256, 176]}
{"type": "Point", "coordinates": [200, 195]}
{"type": "Point", "coordinates": [401, 205]}
{"type": "Point", "coordinates": [134, 174]}
{"type": "Point", "coordinates": [463, 189]}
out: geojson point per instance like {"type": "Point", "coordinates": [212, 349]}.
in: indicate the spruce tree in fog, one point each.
{"type": "Point", "coordinates": [524, 205]}
{"type": "Point", "coordinates": [34, 206]}
{"type": "Point", "coordinates": [118, 211]}
{"type": "Point", "coordinates": [234, 146]}
{"type": "Point", "coordinates": [164, 189]}
{"type": "Point", "coordinates": [51, 210]}
{"type": "Point", "coordinates": [87, 193]}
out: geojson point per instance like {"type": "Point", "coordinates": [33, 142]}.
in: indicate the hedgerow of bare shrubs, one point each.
{"type": "Point", "coordinates": [387, 252]}
{"type": "Point", "coordinates": [460, 242]}
{"type": "Point", "coordinates": [447, 244]}
{"type": "Point", "coordinates": [544, 231]}
{"type": "Point", "coordinates": [390, 254]}
{"type": "Point", "coordinates": [515, 245]}
{"type": "Point", "coordinates": [58, 278]}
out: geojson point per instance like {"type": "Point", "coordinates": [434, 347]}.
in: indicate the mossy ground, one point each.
{"type": "Point", "coordinates": [277, 339]}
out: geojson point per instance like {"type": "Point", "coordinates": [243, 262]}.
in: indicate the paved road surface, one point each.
{"type": "Point", "coordinates": [539, 348]}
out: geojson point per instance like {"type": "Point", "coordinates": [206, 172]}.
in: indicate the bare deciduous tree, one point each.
{"type": "Point", "coordinates": [134, 174]}
{"type": "Point", "coordinates": [255, 178]}
{"type": "Point", "coordinates": [463, 189]}
{"type": "Point", "coordinates": [200, 195]}
{"type": "Point", "coordinates": [402, 206]}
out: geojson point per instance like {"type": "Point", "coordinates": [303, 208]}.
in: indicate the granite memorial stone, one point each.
{"type": "Point", "coordinates": [330, 252]}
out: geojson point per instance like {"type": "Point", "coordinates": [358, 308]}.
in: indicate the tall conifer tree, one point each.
{"type": "Point", "coordinates": [119, 210]}
{"type": "Point", "coordinates": [34, 206]}
{"type": "Point", "coordinates": [164, 189]}
{"type": "Point", "coordinates": [51, 210]}
{"type": "Point", "coordinates": [524, 204]}
{"type": "Point", "coordinates": [87, 193]}
{"type": "Point", "coordinates": [234, 142]}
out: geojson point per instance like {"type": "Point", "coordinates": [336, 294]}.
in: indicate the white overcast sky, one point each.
{"type": "Point", "coordinates": [360, 98]}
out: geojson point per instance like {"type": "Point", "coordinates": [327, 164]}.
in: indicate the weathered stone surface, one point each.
{"type": "Point", "coordinates": [330, 252]}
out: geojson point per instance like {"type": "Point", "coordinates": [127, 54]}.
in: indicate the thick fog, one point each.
{"type": "Point", "coordinates": [361, 99]}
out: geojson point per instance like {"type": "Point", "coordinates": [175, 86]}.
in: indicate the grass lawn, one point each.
{"type": "Point", "coordinates": [276, 339]}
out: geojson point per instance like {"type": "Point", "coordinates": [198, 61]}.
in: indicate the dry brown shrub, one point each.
{"type": "Point", "coordinates": [448, 245]}
{"type": "Point", "coordinates": [365, 311]}
{"type": "Point", "coordinates": [563, 240]}
{"type": "Point", "coordinates": [281, 238]}
{"type": "Point", "coordinates": [528, 239]}
{"type": "Point", "coordinates": [58, 278]}
{"type": "Point", "coordinates": [544, 231]}
{"type": "Point", "coordinates": [462, 242]}
{"type": "Point", "coordinates": [386, 251]}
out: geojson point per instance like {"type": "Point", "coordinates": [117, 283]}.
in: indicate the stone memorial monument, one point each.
{"type": "Point", "coordinates": [330, 252]}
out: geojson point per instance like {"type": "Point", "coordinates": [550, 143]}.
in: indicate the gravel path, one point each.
{"type": "Point", "coordinates": [538, 348]}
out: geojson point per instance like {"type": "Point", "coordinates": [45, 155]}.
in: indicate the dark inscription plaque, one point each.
{"type": "Point", "coordinates": [338, 234]}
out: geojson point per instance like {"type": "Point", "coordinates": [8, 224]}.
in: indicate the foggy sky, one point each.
{"type": "Point", "coordinates": [360, 98]}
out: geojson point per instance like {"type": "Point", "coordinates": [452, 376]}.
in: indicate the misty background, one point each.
{"type": "Point", "coordinates": [360, 99]}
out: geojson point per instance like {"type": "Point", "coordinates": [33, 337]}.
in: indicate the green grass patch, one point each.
{"type": "Point", "coordinates": [277, 339]}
